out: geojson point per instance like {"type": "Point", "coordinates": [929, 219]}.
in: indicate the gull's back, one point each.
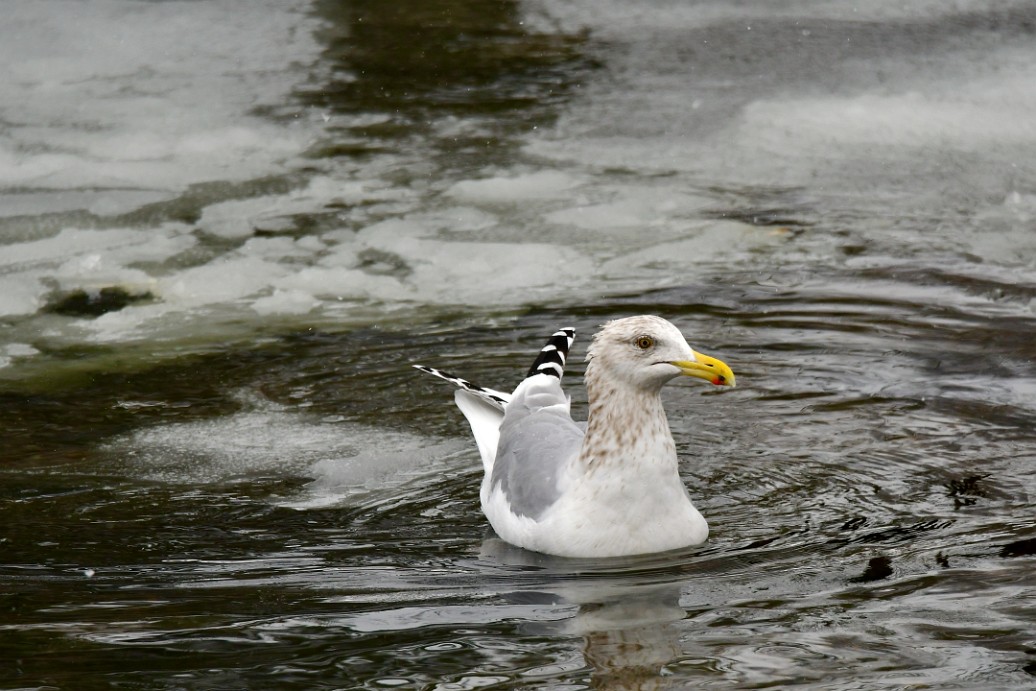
{"type": "Point", "coordinates": [538, 443]}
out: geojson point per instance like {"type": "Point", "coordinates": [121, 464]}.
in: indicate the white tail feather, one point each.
{"type": "Point", "coordinates": [485, 420]}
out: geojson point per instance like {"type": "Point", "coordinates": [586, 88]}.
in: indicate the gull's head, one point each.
{"type": "Point", "coordinates": [647, 351]}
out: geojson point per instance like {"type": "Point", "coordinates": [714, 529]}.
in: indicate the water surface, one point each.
{"type": "Point", "coordinates": [222, 249]}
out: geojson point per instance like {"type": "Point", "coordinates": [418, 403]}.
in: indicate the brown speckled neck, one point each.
{"type": "Point", "coordinates": [625, 424]}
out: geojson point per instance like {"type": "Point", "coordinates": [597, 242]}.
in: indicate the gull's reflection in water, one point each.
{"type": "Point", "coordinates": [629, 637]}
{"type": "Point", "coordinates": [628, 621]}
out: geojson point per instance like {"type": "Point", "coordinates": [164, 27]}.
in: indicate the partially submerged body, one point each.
{"type": "Point", "coordinates": [611, 486]}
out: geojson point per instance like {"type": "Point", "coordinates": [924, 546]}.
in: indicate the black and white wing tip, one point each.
{"type": "Point", "coordinates": [550, 361]}
{"type": "Point", "coordinates": [496, 398]}
{"type": "Point", "coordinates": [552, 357]}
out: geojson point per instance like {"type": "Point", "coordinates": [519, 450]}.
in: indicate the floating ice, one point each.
{"type": "Point", "coordinates": [665, 263]}
{"type": "Point", "coordinates": [21, 295]}
{"type": "Point", "coordinates": [964, 116]}
{"type": "Point", "coordinates": [224, 280]}
{"type": "Point", "coordinates": [665, 137]}
{"type": "Point", "coordinates": [545, 184]}
{"type": "Point", "coordinates": [233, 447]}
{"type": "Point", "coordinates": [128, 244]}
{"type": "Point", "coordinates": [84, 259]}
{"type": "Point", "coordinates": [634, 207]}
{"type": "Point", "coordinates": [12, 351]}
{"type": "Point", "coordinates": [472, 273]}
{"type": "Point", "coordinates": [286, 302]}
{"type": "Point", "coordinates": [342, 458]}
{"type": "Point", "coordinates": [124, 112]}
{"type": "Point", "coordinates": [847, 108]}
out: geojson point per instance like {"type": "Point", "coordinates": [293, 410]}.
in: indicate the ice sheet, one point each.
{"type": "Point", "coordinates": [935, 100]}
{"type": "Point", "coordinates": [629, 188]}
{"type": "Point", "coordinates": [84, 259]}
{"type": "Point", "coordinates": [117, 94]}
{"type": "Point", "coordinates": [544, 184]}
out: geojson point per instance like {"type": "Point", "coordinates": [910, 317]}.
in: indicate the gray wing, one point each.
{"type": "Point", "coordinates": [538, 439]}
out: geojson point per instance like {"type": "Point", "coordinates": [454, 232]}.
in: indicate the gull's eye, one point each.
{"type": "Point", "coordinates": [644, 342]}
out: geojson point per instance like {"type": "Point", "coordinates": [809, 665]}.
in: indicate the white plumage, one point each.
{"type": "Point", "coordinates": [607, 487]}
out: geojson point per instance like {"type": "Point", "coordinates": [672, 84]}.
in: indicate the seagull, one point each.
{"type": "Point", "coordinates": [606, 487]}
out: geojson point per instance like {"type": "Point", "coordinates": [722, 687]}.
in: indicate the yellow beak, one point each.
{"type": "Point", "coordinates": [707, 368]}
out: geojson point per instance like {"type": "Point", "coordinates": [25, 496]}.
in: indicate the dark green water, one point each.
{"type": "Point", "coordinates": [232, 498]}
